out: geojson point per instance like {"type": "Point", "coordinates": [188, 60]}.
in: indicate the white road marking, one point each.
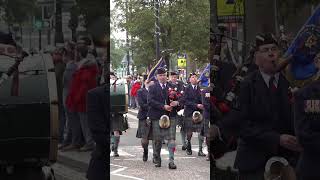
{"type": "Point", "coordinates": [123, 153]}
{"type": "Point", "coordinates": [122, 168]}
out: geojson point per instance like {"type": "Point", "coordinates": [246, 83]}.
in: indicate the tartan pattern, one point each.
{"type": "Point", "coordinates": [117, 123]}
{"type": "Point", "coordinates": [205, 130]}
{"type": "Point", "coordinates": [190, 126]}
{"type": "Point", "coordinates": [143, 129]}
{"type": "Point", "coordinates": [167, 134]}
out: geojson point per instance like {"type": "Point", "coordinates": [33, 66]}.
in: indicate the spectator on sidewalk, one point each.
{"type": "Point", "coordinates": [74, 138]}
{"type": "Point", "coordinates": [129, 79]}
{"type": "Point", "coordinates": [83, 80]}
{"type": "Point", "coordinates": [134, 92]}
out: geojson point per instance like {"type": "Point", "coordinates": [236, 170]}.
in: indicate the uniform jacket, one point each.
{"type": "Point", "coordinates": [84, 79]}
{"type": "Point", "coordinates": [157, 98]}
{"type": "Point", "coordinates": [191, 99]}
{"type": "Point", "coordinates": [307, 127]}
{"type": "Point", "coordinates": [143, 103]}
{"type": "Point", "coordinates": [97, 106]}
{"type": "Point", "coordinates": [260, 127]}
{"type": "Point", "coordinates": [205, 95]}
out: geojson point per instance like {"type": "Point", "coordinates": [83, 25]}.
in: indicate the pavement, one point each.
{"type": "Point", "coordinates": [73, 165]}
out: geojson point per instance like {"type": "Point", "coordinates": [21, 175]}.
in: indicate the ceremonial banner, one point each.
{"type": "Point", "coordinates": [305, 48]}
{"type": "Point", "coordinates": [152, 73]}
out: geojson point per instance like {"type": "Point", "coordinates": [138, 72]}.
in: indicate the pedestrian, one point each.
{"type": "Point", "coordinates": [193, 103]}
{"type": "Point", "coordinates": [162, 128]}
{"type": "Point", "coordinates": [97, 109]}
{"type": "Point", "coordinates": [205, 96]}
{"type": "Point", "coordinates": [136, 86]}
{"type": "Point", "coordinates": [118, 123]}
{"type": "Point", "coordinates": [265, 113]}
{"type": "Point", "coordinates": [74, 134]}
{"type": "Point", "coordinates": [307, 127]}
{"type": "Point", "coordinates": [84, 79]}
{"type": "Point", "coordinates": [144, 127]}
{"type": "Point", "coordinates": [173, 80]}
{"type": "Point", "coordinates": [129, 79]}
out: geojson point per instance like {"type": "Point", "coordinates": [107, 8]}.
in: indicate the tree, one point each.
{"type": "Point", "coordinates": [117, 52]}
{"type": "Point", "coordinates": [96, 14]}
{"type": "Point", "coordinates": [15, 10]}
{"type": "Point", "coordinates": [184, 27]}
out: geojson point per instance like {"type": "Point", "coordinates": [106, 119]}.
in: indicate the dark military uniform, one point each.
{"type": "Point", "coordinates": [143, 128]}
{"type": "Point", "coordinates": [205, 95]}
{"type": "Point", "coordinates": [97, 104]}
{"type": "Point", "coordinates": [307, 127]}
{"type": "Point", "coordinates": [265, 115]}
{"type": "Point", "coordinates": [192, 97]}
{"type": "Point", "coordinates": [157, 98]}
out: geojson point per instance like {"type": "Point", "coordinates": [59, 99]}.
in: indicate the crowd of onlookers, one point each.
{"type": "Point", "coordinates": [78, 69]}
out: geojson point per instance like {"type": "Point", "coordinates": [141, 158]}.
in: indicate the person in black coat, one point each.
{"type": "Point", "coordinates": [97, 105]}
{"type": "Point", "coordinates": [307, 128]}
{"type": "Point", "coordinates": [144, 127]}
{"type": "Point", "coordinates": [265, 112]}
{"type": "Point", "coordinates": [193, 102]}
{"type": "Point", "coordinates": [159, 105]}
{"type": "Point", "coordinates": [175, 83]}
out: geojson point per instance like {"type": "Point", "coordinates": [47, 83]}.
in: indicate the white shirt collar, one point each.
{"type": "Point", "coordinates": [266, 78]}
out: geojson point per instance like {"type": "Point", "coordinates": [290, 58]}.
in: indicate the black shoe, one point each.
{"type": "Point", "coordinates": [145, 156]}
{"type": "Point", "coordinates": [172, 165]}
{"type": "Point", "coordinates": [157, 164]}
{"type": "Point", "coordinates": [115, 154]}
{"type": "Point", "coordinates": [200, 153]}
{"type": "Point", "coordinates": [208, 158]}
{"type": "Point", "coordinates": [189, 151]}
{"type": "Point", "coordinates": [184, 147]}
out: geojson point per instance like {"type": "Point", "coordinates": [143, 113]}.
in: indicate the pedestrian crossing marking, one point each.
{"type": "Point", "coordinates": [123, 153]}
{"type": "Point", "coordinates": [164, 150]}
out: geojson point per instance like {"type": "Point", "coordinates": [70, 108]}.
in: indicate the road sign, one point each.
{"type": "Point", "coordinates": [182, 63]}
{"type": "Point", "coordinates": [38, 24]}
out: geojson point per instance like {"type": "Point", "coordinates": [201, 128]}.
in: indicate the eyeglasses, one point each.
{"type": "Point", "coordinates": [267, 49]}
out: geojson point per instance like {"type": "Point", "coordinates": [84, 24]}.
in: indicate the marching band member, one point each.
{"type": "Point", "coordinates": [267, 127]}
{"type": "Point", "coordinates": [159, 106]}
{"type": "Point", "coordinates": [192, 102]}
{"type": "Point", "coordinates": [144, 127]}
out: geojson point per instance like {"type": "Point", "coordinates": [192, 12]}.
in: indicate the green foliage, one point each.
{"type": "Point", "coordinates": [96, 14]}
{"type": "Point", "coordinates": [184, 27]}
{"type": "Point", "coordinates": [116, 53]}
{"type": "Point", "coordinates": [18, 11]}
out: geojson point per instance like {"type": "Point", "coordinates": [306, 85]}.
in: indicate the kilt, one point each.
{"type": "Point", "coordinates": [190, 126]}
{"type": "Point", "coordinates": [144, 131]}
{"type": "Point", "coordinates": [205, 129]}
{"type": "Point", "coordinates": [118, 122]}
{"type": "Point", "coordinates": [167, 134]}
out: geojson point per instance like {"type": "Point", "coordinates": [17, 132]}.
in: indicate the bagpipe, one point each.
{"type": "Point", "coordinates": [173, 95]}
{"type": "Point", "coordinates": [224, 101]}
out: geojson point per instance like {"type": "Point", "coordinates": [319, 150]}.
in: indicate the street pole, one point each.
{"type": "Point", "coordinates": [157, 28]}
{"type": "Point", "coordinates": [127, 41]}
{"type": "Point", "coordinates": [58, 19]}
{"type": "Point", "coordinates": [39, 39]}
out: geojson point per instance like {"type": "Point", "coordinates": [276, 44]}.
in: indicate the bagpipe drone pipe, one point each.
{"type": "Point", "coordinates": [225, 82]}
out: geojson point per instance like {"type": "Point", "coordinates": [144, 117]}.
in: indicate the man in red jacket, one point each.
{"type": "Point", "coordinates": [134, 91]}
{"type": "Point", "coordinates": [84, 79]}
